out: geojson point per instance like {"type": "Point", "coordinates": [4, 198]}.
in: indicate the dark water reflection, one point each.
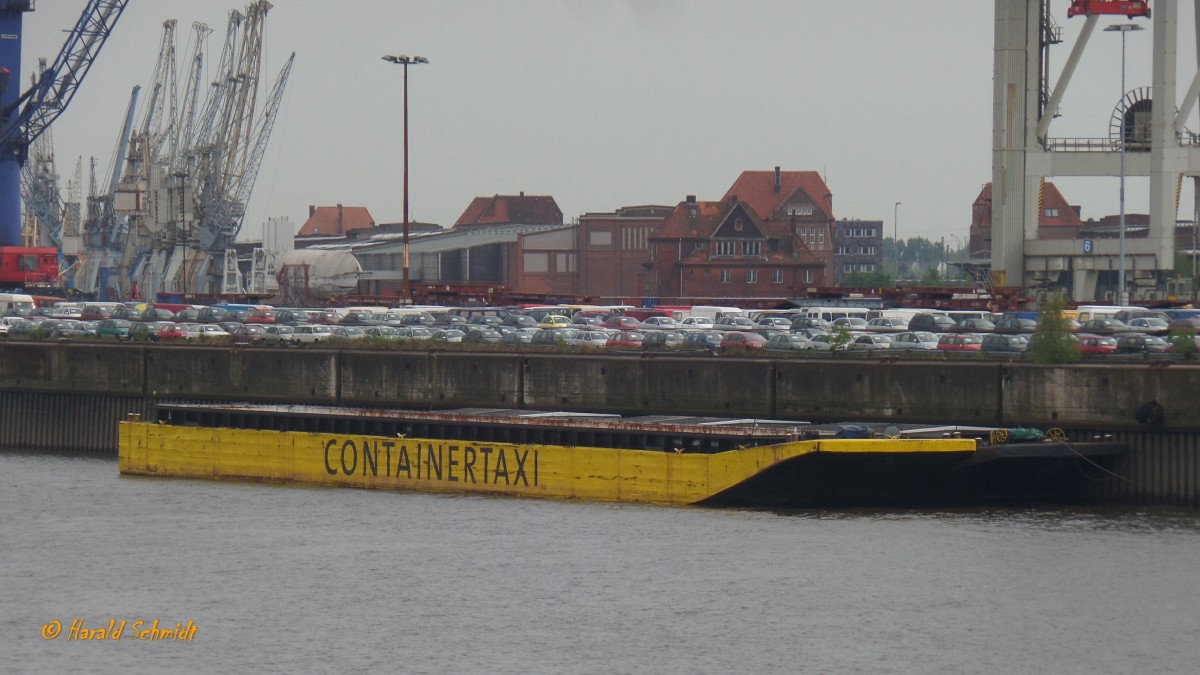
{"type": "Point", "coordinates": [295, 579]}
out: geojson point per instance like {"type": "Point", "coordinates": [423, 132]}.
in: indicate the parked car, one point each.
{"type": "Point", "coordinates": [621, 322]}
{"type": "Point", "coordinates": [851, 323]}
{"type": "Point", "coordinates": [172, 332]}
{"type": "Point", "coordinates": [1097, 344]}
{"type": "Point", "coordinates": [113, 328]}
{"type": "Point", "coordinates": [413, 333]}
{"type": "Point", "coordinates": [1015, 324]}
{"type": "Point", "coordinates": [659, 323]}
{"type": "Point", "coordinates": [556, 321]}
{"type": "Point", "coordinates": [246, 334]}
{"type": "Point", "coordinates": [703, 339]}
{"type": "Point", "coordinates": [1004, 343]}
{"type": "Point", "coordinates": [448, 335]}
{"type": "Point", "coordinates": [483, 336]}
{"type": "Point", "coordinates": [826, 342]}
{"type": "Point", "coordinates": [625, 339]}
{"type": "Point", "coordinates": [1103, 327]}
{"type": "Point", "coordinates": [915, 340]}
{"type": "Point", "coordinates": [594, 338]}
{"type": "Point", "coordinates": [204, 331]}
{"type": "Point", "coordinates": [728, 323]}
{"type": "Point", "coordinates": [357, 333]}
{"type": "Point", "coordinates": [519, 321]}
{"type": "Point", "coordinates": [887, 324]}
{"type": "Point", "coordinates": [280, 335]}
{"type": "Point", "coordinates": [1192, 324]}
{"type": "Point", "coordinates": [662, 339]}
{"type": "Point", "coordinates": [311, 333]}
{"type": "Point", "coordinates": [1140, 343]}
{"type": "Point", "coordinates": [975, 326]}
{"type": "Point", "coordinates": [778, 322]}
{"type": "Point", "coordinates": [1150, 324]}
{"type": "Point", "coordinates": [786, 342]}
{"type": "Point", "coordinates": [960, 342]}
{"type": "Point", "coordinates": [871, 341]}
{"type": "Point", "coordinates": [517, 337]}
{"type": "Point", "coordinates": [931, 322]}
{"type": "Point", "coordinates": [380, 331]}
{"type": "Point", "coordinates": [147, 331]}
{"type": "Point", "coordinates": [743, 340]}
{"type": "Point", "coordinates": [700, 322]}
{"type": "Point", "coordinates": [802, 322]}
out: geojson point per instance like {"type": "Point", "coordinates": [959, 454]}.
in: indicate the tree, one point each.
{"type": "Point", "coordinates": [1053, 342]}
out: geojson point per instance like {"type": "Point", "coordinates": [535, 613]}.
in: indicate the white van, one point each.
{"type": "Point", "coordinates": [832, 313]}
{"type": "Point", "coordinates": [16, 301]}
{"type": "Point", "coordinates": [1089, 312]}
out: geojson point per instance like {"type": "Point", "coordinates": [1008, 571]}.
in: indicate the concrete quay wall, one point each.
{"type": "Point", "coordinates": [56, 395]}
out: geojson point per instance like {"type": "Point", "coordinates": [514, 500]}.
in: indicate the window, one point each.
{"type": "Point", "coordinates": [725, 276]}
{"type": "Point", "coordinates": [777, 276]}
{"type": "Point", "coordinates": [1051, 213]}
{"type": "Point", "coordinates": [847, 268]}
{"type": "Point", "coordinates": [752, 276]}
{"type": "Point", "coordinates": [843, 250]}
{"type": "Point", "coordinates": [752, 247]}
{"type": "Point", "coordinates": [600, 238]}
{"type": "Point", "coordinates": [821, 235]}
{"type": "Point", "coordinates": [724, 247]}
{"type": "Point", "coordinates": [537, 262]}
{"type": "Point", "coordinates": [564, 263]}
{"type": "Point", "coordinates": [808, 276]}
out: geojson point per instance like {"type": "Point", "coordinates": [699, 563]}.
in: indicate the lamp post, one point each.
{"type": "Point", "coordinates": [1122, 294]}
{"type": "Point", "coordinates": [896, 236]}
{"type": "Point", "coordinates": [405, 61]}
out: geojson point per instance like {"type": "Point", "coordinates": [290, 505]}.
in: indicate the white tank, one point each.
{"type": "Point", "coordinates": [328, 272]}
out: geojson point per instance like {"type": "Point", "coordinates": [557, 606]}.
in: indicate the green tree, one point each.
{"type": "Point", "coordinates": [840, 338]}
{"type": "Point", "coordinates": [1183, 342]}
{"type": "Point", "coordinates": [1053, 342]}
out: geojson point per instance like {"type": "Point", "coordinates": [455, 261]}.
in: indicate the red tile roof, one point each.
{"type": "Point", "coordinates": [757, 188]}
{"type": "Point", "coordinates": [511, 209]}
{"type": "Point", "coordinates": [335, 220]}
{"type": "Point", "coordinates": [1051, 199]}
{"type": "Point", "coordinates": [699, 220]}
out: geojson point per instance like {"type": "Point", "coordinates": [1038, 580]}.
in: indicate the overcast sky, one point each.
{"type": "Point", "coordinates": [608, 103]}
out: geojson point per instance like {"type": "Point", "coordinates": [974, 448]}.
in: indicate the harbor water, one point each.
{"type": "Point", "coordinates": [246, 577]}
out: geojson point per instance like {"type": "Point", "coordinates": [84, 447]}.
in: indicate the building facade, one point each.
{"type": "Point", "coordinates": [614, 251]}
{"type": "Point", "coordinates": [858, 248]}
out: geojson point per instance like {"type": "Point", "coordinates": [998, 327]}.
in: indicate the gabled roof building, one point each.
{"type": "Point", "coordinates": [771, 234]}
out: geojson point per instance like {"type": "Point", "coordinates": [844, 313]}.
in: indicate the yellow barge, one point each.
{"type": "Point", "coordinates": [655, 459]}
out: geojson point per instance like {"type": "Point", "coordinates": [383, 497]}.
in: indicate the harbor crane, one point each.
{"type": "Point", "coordinates": [25, 117]}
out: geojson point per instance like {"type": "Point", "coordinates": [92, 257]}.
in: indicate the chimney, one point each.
{"type": "Point", "coordinates": [522, 194]}
{"type": "Point", "coordinates": [341, 226]}
{"type": "Point", "coordinates": [312, 210]}
{"type": "Point", "coordinates": [778, 185]}
{"type": "Point", "coordinates": [732, 199]}
{"type": "Point", "coordinates": [691, 199]}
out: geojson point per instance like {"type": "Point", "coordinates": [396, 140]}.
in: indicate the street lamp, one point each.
{"type": "Point", "coordinates": [1122, 294]}
{"type": "Point", "coordinates": [896, 236]}
{"type": "Point", "coordinates": [405, 61]}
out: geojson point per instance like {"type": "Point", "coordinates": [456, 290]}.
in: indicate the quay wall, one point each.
{"type": "Point", "coordinates": [63, 395]}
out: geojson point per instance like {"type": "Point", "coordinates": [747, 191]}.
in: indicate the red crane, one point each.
{"type": "Point", "coordinates": [1129, 8]}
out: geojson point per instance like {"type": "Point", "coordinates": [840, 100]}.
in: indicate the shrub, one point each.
{"type": "Point", "coordinates": [1054, 342]}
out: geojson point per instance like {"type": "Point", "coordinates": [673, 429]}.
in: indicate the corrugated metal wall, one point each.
{"type": "Point", "coordinates": [79, 423]}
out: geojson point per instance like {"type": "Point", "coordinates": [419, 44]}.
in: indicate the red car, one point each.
{"type": "Point", "coordinates": [261, 315]}
{"type": "Point", "coordinates": [960, 343]}
{"type": "Point", "coordinates": [1097, 344]}
{"type": "Point", "coordinates": [629, 339]}
{"type": "Point", "coordinates": [175, 332]}
{"type": "Point", "coordinates": [621, 322]}
{"type": "Point", "coordinates": [737, 340]}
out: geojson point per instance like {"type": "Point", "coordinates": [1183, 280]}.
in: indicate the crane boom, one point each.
{"type": "Point", "coordinates": [24, 118]}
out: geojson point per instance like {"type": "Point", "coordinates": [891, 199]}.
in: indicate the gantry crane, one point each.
{"type": "Point", "coordinates": [25, 117]}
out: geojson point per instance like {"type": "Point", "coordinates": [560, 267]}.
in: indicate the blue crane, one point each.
{"type": "Point", "coordinates": [24, 116]}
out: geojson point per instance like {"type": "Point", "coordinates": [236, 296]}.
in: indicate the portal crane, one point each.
{"type": "Point", "coordinates": [24, 117]}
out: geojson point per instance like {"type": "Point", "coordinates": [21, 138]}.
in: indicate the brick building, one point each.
{"type": "Point", "coordinates": [1057, 219]}
{"type": "Point", "coordinates": [858, 247]}
{"type": "Point", "coordinates": [614, 251]}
